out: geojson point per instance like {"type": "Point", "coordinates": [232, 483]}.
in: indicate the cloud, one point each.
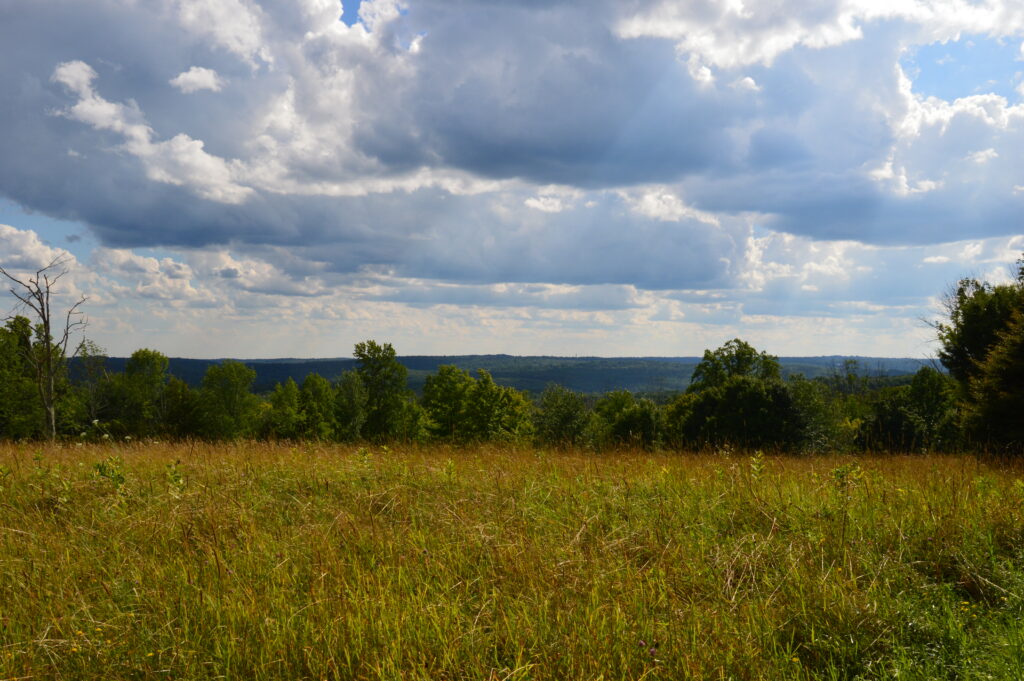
{"type": "Point", "coordinates": [24, 252]}
{"type": "Point", "coordinates": [180, 160]}
{"type": "Point", "coordinates": [433, 152]}
{"type": "Point", "coordinates": [234, 25]}
{"type": "Point", "coordinates": [198, 78]}
{"type": "Point", "coordinates": [733, 34]}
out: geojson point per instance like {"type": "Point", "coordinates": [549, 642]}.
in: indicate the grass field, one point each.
{"type": "Point", "coordinates": [256, 561]}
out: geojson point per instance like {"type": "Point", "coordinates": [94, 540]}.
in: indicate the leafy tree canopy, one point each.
{"type": "Point", "coordinates": [385, 381]}
{"type": "Point", "coordinates": [977, 313]}
{"type": "Point", "coordinates": [735, 358]}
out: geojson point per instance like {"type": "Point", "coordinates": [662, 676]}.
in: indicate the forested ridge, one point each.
{"type": "Point", "coordinates": [591, 375]}
{"type": "Point", "coordinates": [733, 396]}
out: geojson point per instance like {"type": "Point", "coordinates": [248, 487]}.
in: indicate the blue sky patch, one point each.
{"type": "Point", "coordinates": [69, 235]}
{"type": "Point", "coordinates": [973, 65]}
{"type": "Point", "coordinates": [350, 13]}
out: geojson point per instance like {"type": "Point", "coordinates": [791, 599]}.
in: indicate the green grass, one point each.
{"type": "Point", "coordinates": [255, 561]}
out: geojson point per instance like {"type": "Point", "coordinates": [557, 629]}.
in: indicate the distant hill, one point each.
{"type": "Point", "coordinates": [583, 374]}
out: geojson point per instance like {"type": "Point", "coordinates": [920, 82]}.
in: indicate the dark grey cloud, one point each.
{"type": "Point", "coordinates": [550, 96]}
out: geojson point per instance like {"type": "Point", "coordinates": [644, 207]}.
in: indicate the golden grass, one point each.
{"type": "Point", "coordinates": [259, 561]}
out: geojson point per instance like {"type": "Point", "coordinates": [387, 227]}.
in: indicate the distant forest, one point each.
{"type": "Point", "coordinates": [733, 396]}
{"type": "Point", "coordinates": [649, 376]}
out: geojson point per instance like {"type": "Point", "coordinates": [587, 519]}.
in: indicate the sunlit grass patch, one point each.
{"type": "Point", "coordinates": [307, 561]}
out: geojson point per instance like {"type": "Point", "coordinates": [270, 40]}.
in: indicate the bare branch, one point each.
{"type": "Point", "coordinates": [46, 355]}
{"type": "Point", "coordinates": [70, 325]}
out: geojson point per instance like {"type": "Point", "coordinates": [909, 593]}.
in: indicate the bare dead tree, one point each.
{"type": "Point", "coordinates": [47, 355]}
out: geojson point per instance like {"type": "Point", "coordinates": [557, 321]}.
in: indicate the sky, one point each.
{"type": "Point", "coordinates": [286, 178]}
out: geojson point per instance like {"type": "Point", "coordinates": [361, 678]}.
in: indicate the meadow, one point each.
{"type": "Point", "coordinates": [277, 561]}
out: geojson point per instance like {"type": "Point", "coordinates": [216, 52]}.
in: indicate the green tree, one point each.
{"type": "Point", "coordinates": [745, 411]}
{"type": "Point", "coordinates": [384, 379]}
{"type": "Point", "coordinates": [624, 420]}
{"type": "Point", "coordinates": [21, 413]}
{"type": "Point", "coordinates": [445, 396]}
{"type": "Point", "coordinates": [917, 417]}
{"type": "Point", "coordinates": [890, 425]}
{"type": "Point", "coordinates": [137, 394]}
{"type": "Point", "coordinates": [977, 314]}
{"type": "Point", "coordinates": [562, 417]}
{"type": "Point", "coordinates": [283, 420]}
{"type": "Point", "coordinates": [184, 410]}
{"type": "Point", "coordinates": [94, 381]}
{"type": "Point", "coordinates": [740, 399]}
{"type": "Point", "coordinates": [495, 412]}
{"type": "Point", "coordinates": [997, 414]}
{"type": "Point", "coordinates": [317, 408]}
{"type": "Point", "coordinates": [350, 406]}
{"type": "Point", "coordinates": [933, 405]}
{"type": "Point", "coordinates": [735, 358]}
{"type": "Point", "coordinates": [676, 417]}
{"type": "Point", "coordinates": [228, 407]}
{"type": "Point", "coordinates": [413, 425]}
{"type": "Point", "coordinates": [47, 353]}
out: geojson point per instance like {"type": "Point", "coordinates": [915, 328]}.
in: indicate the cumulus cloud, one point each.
{"type": "Point", "coordinates": [23, 251]}
{"type": "Point", "coordinates": [197, 78]}
{"type": "Point", "coordinates": [440, 151]}
{"type": "Point", "coordinates": [179, 160]}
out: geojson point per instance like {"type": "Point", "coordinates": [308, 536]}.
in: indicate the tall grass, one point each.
{"type": "Point", "coordinates": [255, 561]}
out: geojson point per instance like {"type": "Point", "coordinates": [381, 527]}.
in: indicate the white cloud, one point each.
{"type": "Point", "coordinates": [734, 33]}
{"type": "Point", "coordinates": [554, 199]}
{"type": "Point", "coordinates": [163, 279]}
{"type": "Point", "coordinates": [983, 156]}
{"type": "Point", "coordinates": [198, 78]}
{"type": "Point", "coordinates": [180, 160]}
{"type": "Point", "coordinates": [234, 25]}
{"type": "Point", "coordinates": [746, 83]}
{"type": "Point", "coordinates": [411, 161]}
{"type": "Point", "coordinates": [661, 203]}
{"type": "Point", "coordinates": [547, 204]}
{"type": "Point", "coordinates": [22, 251]}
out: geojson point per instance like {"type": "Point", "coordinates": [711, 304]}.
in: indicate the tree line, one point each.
{"type": "Point", "coordinates": [737, 397]}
